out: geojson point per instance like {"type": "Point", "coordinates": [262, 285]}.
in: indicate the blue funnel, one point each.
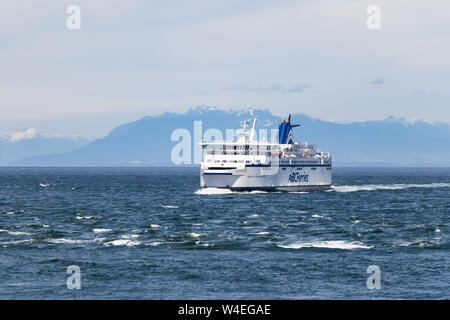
{"type": "Point", "coordinates": [284, 130]}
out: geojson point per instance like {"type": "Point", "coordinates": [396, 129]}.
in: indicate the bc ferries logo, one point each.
{"type": "Point", "coordinates": [297, 177]}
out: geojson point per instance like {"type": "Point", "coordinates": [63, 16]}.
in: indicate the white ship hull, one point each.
{"type": "Point", "coordinates": [283, 178]}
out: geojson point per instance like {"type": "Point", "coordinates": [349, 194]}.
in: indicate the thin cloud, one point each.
{"type": "Point", "coordinates": [275, 87]}
{"type": "Point", "coordinates": [297, 89]}
{"type": "Point", "coordinates": [271, 88]}
{"type": "Point", "coordinates": [378, 81]}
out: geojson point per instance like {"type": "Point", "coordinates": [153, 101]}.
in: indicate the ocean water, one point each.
{"type": "Point", "coordinates": [150, 233]}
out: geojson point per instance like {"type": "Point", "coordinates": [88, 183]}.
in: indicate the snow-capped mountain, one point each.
{"type": "Point", "coordinates": [30, 142]}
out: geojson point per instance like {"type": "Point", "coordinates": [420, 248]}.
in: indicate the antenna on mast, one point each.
{"type": "Point", "coordinates": [252, 132]}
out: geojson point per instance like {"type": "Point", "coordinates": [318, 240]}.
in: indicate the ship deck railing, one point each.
{"type": "Point", "coordinates": [240, 143]}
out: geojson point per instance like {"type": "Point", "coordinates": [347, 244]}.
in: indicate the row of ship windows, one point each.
{"type": "Point", "coordinates": [233, 161]}
{"type": "Point", "coordinates": [246, 152]}
{"type": "Point", "coordinates": [246, 147]}
{"type": "Point", "coordinates": [311, 168]}
{"type": "Point", "coordinates": [248, 161]}
{"type": "Point", "coordinates": [301, 162]}
{"type": "Point", "coordinates": [302, 168]}
{"type": "Point", "coordinates": [257, 161]}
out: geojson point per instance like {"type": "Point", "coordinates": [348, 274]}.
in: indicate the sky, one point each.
{"type": "Point", "coordinates": [135, 58]}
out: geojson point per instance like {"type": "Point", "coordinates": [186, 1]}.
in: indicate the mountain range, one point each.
{"type": "Point", "coordinates": [147, 141]}
{"type": "Point", "coordinates": [30, 142]}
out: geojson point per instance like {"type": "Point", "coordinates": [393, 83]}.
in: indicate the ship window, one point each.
{"type": "Point", "coordinates": [284, 169]}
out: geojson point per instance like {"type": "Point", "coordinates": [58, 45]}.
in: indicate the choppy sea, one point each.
{"type": "Point", "coordinates": [151, 233]}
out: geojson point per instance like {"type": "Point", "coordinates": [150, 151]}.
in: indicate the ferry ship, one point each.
{"type": "Point", "coordinates": [247, 164]}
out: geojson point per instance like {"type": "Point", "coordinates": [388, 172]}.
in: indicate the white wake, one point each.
{"type": "Point", "coordinates": [345, 188]}
{"type": "Point", "coordinates": [398, 186]}
{"type": "Point", "coordinates": [216, 191]}
{"type": "Point", "coordinates": [339, 244]}
{"type": "Point", "coordinates": [212, 191]}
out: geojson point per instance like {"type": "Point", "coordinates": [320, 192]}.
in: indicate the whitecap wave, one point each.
{"type": "Point", "coordinates": [44, 184]}
{"type": "Point", "coordinates": [422, 243]}
{"type": "Point", "coordinates": [199, 243]}
{"type": "Point", "coordinates": [415, 243]}
{"type": "Point", "coordinates": [196, 235]}
{"type": "Point", "coordinates": [101, 230]}
{"type": "Point", "coordinates": [15, 233]}
{"type": "Point", "coordinates": [155, 243]}
{"type": "Point", "coordinates": [130, 236]}
{"type": "Point", "coordinates": [122, 242]}
{"type": "Point", "coordinates": [87, 217]}
{"type": "Point", "coordinates": [8, 243]}
{"type": "Point", "coordinates": [69, 241]}
{"type": "Point", "coordinates": [398, 186]}
{"type": "Point", "coordinates": [170, 207]}
{"type": "Point", "coordinates": [14, 212]}
{"type": "Point", "coordinates": [339, 244]}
